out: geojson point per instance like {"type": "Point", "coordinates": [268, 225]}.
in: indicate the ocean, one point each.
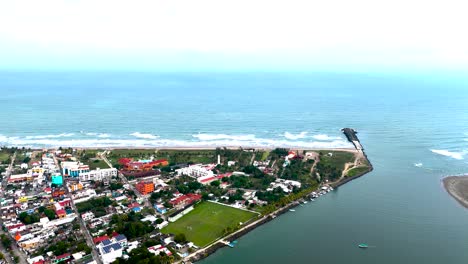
{"type": "Point", "coordinates": [414, 128]}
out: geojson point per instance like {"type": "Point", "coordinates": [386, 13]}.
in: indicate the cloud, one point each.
{"type": "Point", "coordinates": [296, 32]}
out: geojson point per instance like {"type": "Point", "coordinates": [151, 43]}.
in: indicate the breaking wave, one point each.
{"type": "Point", "coordinates": [419, 164]}
{"type": "Point", "coordinates": [455, 155]}
{"type": "Point", "coordinates": [295, 136]}
{"type": "Point", "coordinates": [204, 141]}
{"type": "Point", "coordinates": [325, 137]}
{"type": "Point", "coordinates": [143, 135]}
{"type": "Point", "coordinates": [51, 136]}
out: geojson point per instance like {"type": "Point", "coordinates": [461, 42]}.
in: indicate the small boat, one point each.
{"type": "Point", "coordinates": [313, 200]}
{"type": "Point", "coordinates": [292, 210]}
{"type": "Point", "coordinates": [305, 202]}
{"type": "Point", "coordinates": [363, 246]}
{"type": "Point", "coordinates": [232, 244]}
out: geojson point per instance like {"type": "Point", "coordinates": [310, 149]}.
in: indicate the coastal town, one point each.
{"type": "Point", "coordinates": [69, 205]}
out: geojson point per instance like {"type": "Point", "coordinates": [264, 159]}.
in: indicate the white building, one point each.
{"type": "Point", "coordinates": [73, 168]}
{"type": "Point", "coordinates": [87, 216]}
{"type": "Point", "coordinates": [111, 249]}
{"type": "Point", "coordinates": [98, 175]}
{"type": "Point", "coordinates": [286, 185]}
{"type": "Point", "coordinates": [158, 249]}
{"type": "Point", "coordinates": [195, 171]}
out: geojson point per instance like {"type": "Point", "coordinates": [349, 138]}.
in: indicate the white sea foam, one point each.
{"type": "Point", "coordinates": [324, 137]}
{"type": "Point", "coordinates": [143, 135]}
{"type": "Point", "coordinates": [209, 137]}
{"type": "Point", "coordinates": [419, 164]}
{"type": "Point", "coordinates": [115, 142]}
{"type": "Point", "coordinates": [291, 136]}
{"type": "Point", "coordinates": [94, 134]}
{"type": "Point", "coordinates": [455, 155]}
{"type": "Point", "coordinates": [51, 136]}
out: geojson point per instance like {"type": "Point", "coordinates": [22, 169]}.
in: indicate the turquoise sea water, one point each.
{"type": "Point", "coordinates": [414, 130]}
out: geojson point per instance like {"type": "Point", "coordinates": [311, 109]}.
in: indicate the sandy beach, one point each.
{"type": "Point", "coordinates": [457, 187]}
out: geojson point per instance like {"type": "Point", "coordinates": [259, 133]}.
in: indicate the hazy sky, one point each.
{"type": "Point", "coordinates": [217, 34]}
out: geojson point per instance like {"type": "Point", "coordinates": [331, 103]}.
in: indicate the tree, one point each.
{"type": "Point", "coordinates": [180, 238]}
{"type": "Point", "coordinates": [215, 183]}
{"type": "Point", "coordinates": [6, 241]}
{"type": "Point", "coordinates": [50, 214]}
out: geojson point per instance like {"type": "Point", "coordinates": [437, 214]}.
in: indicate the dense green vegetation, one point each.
{"type": "Point", "coordinates": [29, 218]}
{"type": "Point", "coordinates": [332, 163]}
{"type": "Point", "coordinates": [207, 222]}
{"type": "Point", "coordinates": [298, 170]}
{"type": "Point", "coordinates": [6, 241]}
{"type": "Point", "coordinates": [130, 225]}
{"type": "Point", "coordinates": [97, 206]}
{"type": "Point", "coordinates": [141, 255]}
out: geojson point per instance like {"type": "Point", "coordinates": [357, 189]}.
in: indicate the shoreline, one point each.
{"type": "Point", "coordinates": [265, 148]}
{"type": "Point", "coordinates": [457, 187]}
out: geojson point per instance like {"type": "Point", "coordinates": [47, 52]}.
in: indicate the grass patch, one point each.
{"type": "Point", "coordinates": [338, 159]}
{"type": "Point", "coordinates": [4, 157]}
{"type": "Point", "coordinates": [185, 156]}
{"type": "Point", "coordinates": [357, 170]}
{"type": "Point", "coordinates": [94, 164]}
{"type": "Point", "coordinates": [207, 222]}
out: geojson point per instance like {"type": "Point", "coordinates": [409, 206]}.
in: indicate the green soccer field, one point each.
{"type": "Point", "coordinates": [207, 222]}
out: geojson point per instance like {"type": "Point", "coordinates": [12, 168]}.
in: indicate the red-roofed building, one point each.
{"type": "Point", "coordinates": [16, 228]}
{"type": "Point", "coordinates": [185, 200]}
{"type": "Point", "coordinates": [63, 257]}
{"type": "Point", "coordinates": [136, 166]}
{"type": "Point", "coordinates": [98, 240]}
{"type": "Point", "coordinates": [61, 213]}
{"type": "Point", "coordinates": [134, 205]}
{"type": "Point", "coordinates": [48, 190]}
{"type": "Point", "coordinates": [39, 262]}
{"type": "Point", "coordinates": [65, 203]}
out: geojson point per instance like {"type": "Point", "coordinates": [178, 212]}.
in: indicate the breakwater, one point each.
{"type": "Point", "coordinates": [351, 135]}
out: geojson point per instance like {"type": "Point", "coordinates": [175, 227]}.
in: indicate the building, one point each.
{"type": "Point", "coordinates": [61, 213]}
{"type": "Point", "coordinates": [62, 258]}
{"type": "Point", "coordinates": [160, 208]}
{"type": "Point", "coordinates": [141, 165]}
{"type": "Point", "coordinates": [196, 171]}
{"type": "Point", "coordinates": [74, 168]}
{"type": "Point", "coordinates": [185, 200]}
{"type": "Point", "coordinates": [57, 180]}
{"type": "Point", "coordinates": [87, 216]}
{"type": "Point", "coordinates": [286, 185]}
{"type": "Point", "coordinates": [145, 187]}
{"type": "Point", "coordinates": [156, 250]}
{"type": "Point", "coordinates": [76, 186]}
{"type": "Point", "coordinates": [99, 175]}
{"type": "Point", "coordinates": [111, 249]}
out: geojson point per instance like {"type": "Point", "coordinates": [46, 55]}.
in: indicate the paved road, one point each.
{"type": "Point", "coordinates": [84, 230]}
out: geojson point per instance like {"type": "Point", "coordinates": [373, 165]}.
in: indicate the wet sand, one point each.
{"type": "Point", "coordinates": [457, 187]}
